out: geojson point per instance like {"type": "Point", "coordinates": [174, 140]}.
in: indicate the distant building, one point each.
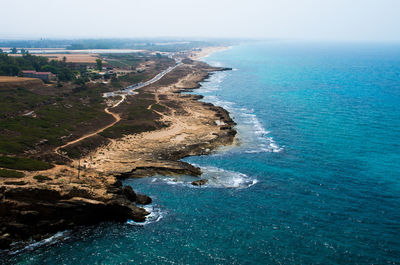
{"type": "Point", "coordinates": [46, 76]}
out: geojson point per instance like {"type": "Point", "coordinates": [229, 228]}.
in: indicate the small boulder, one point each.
{"type": "Point", "coordinates": [143, 199]}
{"type": "Point", "coordinates": [200, 182]}
{"type": "Point", "coordinates": [139, 214]}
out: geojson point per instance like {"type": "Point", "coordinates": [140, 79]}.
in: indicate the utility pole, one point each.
{"type": "Point", "coordinates": [79, 168]}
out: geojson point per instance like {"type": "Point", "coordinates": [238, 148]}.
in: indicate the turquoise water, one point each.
{"type": "Point", "coordinates": [314, 180]}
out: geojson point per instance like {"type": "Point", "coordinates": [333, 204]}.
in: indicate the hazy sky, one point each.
{"type": "Point", "coordinates": [301, 19]}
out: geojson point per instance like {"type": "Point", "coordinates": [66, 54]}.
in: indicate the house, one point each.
{"type": "Point", "coordinates": [45, 76]}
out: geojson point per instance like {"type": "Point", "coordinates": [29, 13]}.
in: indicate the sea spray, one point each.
{"type": "Point", "coordinates": [252, 135]}
{"type": "Point", "coordinates": [330, 196]}
{"type": "Point", "coordinates": [216, 178]}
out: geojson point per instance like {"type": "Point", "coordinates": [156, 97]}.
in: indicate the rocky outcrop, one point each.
{"type": "Point", "coordinates": [143, 199]}
{"type": "Point", "coordinates": [163, 168]}
{"type": "Point", "coordinates": [30, 209]}
{"type": "Point", "coordinates": [40, 210]}
{"type": "Point", "coordinates": [199, 182]}
{"type": "Point", "coordinates": [129, 193]}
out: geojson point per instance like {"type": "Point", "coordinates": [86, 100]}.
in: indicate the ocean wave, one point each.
{"type": "Point", "coordinates": [45, 242]}
{"type": "Point", "coordinates": [156, 214]}
{"type": "Point", "coordinates": [264, 142]}
{"type": "Point", "coordinates": [254, 138]}
{"type": "Point", "coordinates": [212, 84]}
{"type": "Point", "coordinates": [216, 178]}
{"type": "Point", "coordinates": [221, 178]}
{"type": "Point", "coordinates": [252, 135]}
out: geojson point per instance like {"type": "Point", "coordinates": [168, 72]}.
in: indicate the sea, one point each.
{"type": "Point", "coordinates": [313, 178]}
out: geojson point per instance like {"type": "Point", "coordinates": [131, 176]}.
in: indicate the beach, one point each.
{"type": "Point", "coordinates": [207, 51]}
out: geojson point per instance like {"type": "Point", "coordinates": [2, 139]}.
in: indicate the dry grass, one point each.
{"type": "Point", "coordinates": [12, 79]}
{"type": "Point", "coordinates": [74, 58]}
{"type": "Point", "coordinates": [71, 58]}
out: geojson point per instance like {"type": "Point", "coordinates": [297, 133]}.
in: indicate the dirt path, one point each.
{"type": "Point", "coordinates": [106, 110]}
{"type": "Point", "coordinates": [116, 116]}
{"type": "Point", "coordinates": [157, 99]}
{"type": "Point", "coordinates": [193, 124]}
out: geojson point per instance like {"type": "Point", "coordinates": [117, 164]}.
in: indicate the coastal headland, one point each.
{"type": "Point", "coordinates": [151, 131]}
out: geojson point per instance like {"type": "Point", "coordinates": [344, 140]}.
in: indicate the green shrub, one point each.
{"type": "Point", "coordinates": [158, 107]}
{"type": "Point", "coordinates": [6, 173]}
{"type": "Point", "coordinates": [23, 163]}
{"type": "Point", "coordinates": [119, 130]}
{"type": "Point", "coordinates": [41, 178]}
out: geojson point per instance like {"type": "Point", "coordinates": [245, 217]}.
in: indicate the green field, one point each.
{"type": "Point", "coordinates": [41, 178]}
{"type": "Point", "coordinates": [6, 173]}
{"type": "Point", "coordinates": [136, 117]}
{"type": "Point", "coordinates": [52, 118]}
{"type": "Point", "coordinates": [34, 121]}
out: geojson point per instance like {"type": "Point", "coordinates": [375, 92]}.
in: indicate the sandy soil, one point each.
{"type": "Point", "coordinates": [90, 185]}
{"type": "Point", "coordinates": [206, 51]}
{"type": "Point", "coordinates": [8, 82]}
{"type": "Point", "coordinates": [70, 58]}
{"type": "Point", "coordinates": [193, 128]}
{"type": "Point", "coordinates": [10, 79]}
{"type": "Point", "coordinates": [194, 124]}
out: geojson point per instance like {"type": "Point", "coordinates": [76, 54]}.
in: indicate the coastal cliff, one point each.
{"type": "Point", "coordinates": [88, 190]}
{"type": "Point", "coordinates": [189, 127]}
{"type": "Point", "coordinates": [32, 210]}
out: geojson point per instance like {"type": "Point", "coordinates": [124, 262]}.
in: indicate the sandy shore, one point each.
{"type": "Point", "coordinates": [206, 51]}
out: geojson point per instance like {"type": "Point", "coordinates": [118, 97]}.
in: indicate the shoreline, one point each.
{"type": "Point", "coordinates": [89, 190]}
{"type": "Point", "coordinates": [207, 51]}
{"type": "Point", "coordinates": [194, 128]}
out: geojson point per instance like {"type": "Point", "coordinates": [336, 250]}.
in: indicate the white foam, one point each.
{"type": "Point", "coordinates": [221, 178]}
{"type": "Point", "coordinates": [252, 134]}
{"type": "Point", "coordinates": [217, 178]}
{"type": "Point", "coordinates": [156, 214]}
{"type": "Point", "coordinates": [48, 241]}
{"type": "Point", "coordinates": [254, 138]}
{"type": "Point", "coordinates": [213, 83]}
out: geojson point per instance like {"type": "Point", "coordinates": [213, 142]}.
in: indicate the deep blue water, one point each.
{"type": "Point", "coordinates": [315, 178]}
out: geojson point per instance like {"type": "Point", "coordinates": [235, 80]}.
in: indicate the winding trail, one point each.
{"type": "Point", "coordinates": [123, 94]}
{"type": "Point", "coordinates": [106, 110]}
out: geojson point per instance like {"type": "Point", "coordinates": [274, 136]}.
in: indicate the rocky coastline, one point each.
{"type": "Point", "coordinates": [34, 212]}
{"type": "Point", "coordinates": [89, 190]}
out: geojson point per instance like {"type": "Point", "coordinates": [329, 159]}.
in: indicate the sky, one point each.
{"type": "Point", "coordinates": [371, 20]}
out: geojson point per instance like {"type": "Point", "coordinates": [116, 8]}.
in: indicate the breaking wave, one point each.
{"type": "Point", "coordinates": [156, 214]}
{"type": "Point", "coordinates": [216, 178]}
{"type": "Point", "coordinates": [45, 242]}
{"type": "Point", "coordinates": [221, 178]}
{"type": "Point", "coordinates": [254, 138]}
